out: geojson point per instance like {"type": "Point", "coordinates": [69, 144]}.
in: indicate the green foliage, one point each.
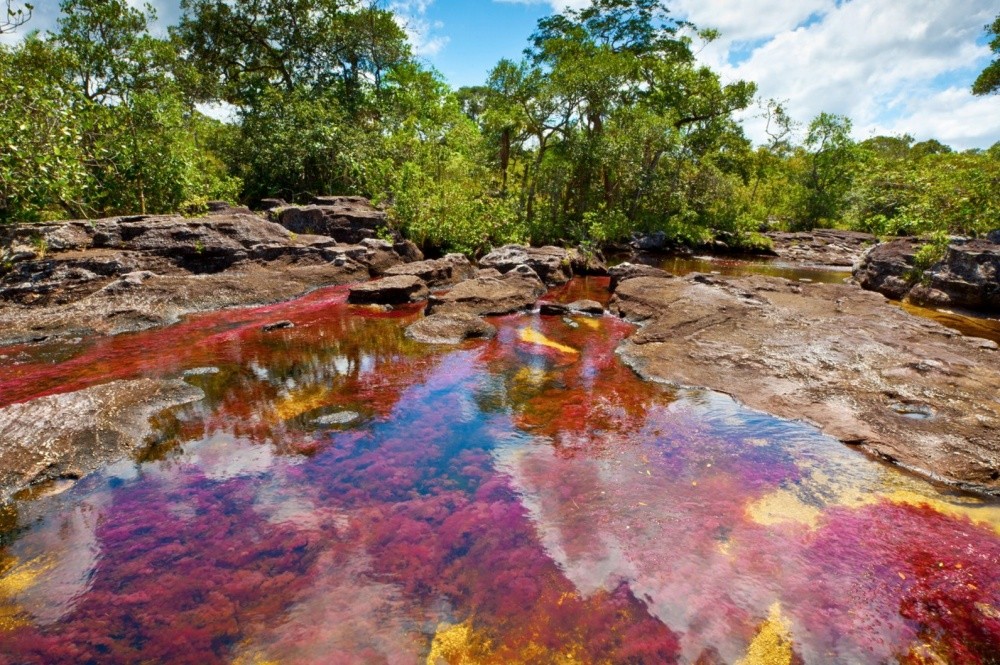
{"type": "Point", "coordinates": [989, 80]}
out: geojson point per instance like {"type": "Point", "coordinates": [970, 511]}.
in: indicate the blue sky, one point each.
{"type": "Point", "coordinates": [893, 66]}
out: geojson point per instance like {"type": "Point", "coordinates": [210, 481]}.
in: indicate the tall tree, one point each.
{"type": "Point", "coordinates": [989, 80]}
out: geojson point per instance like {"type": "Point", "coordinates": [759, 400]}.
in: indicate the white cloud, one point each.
{"type": "Point", "coordinates": [893, 67]}
{"type": "Point", "coordinates": [424, 35]}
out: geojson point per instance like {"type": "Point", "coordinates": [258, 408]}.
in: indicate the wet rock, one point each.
{"type": "Point", "coordinates": [396, 290]}
{"type": "Point", "coordinates": [450, 328]}
{"type": "Point", "coordinates": [587, 307]}
{"type": "Point", "coordinates": [200, 371]}
{"type": "Point", "coordinates": [347, 219]}
{"type": "Point", "coordinates": [584, 262]}
{"type": "Point", "coordinates": [339, 418]}
{"type": "Point", "coordinates": [553, 309]}
{"type": "Point", "coordinates": [451, 269]}
{"type": "Point", "coordinates": [827, 354]}
{"type": "Point", "coordinates": [824, 247]}
{"type": "Point", "coordinates": [75, 433]}
{"type": "Point", "coordinates": [624, 271]}
{"type": "Point", "coordinates": [277, 325]}
{"type": "Point", "coordinates": [553, 265]}
{"type": "Point", "coordinates": [513, 291]}
{"type": "Point", "coordinates": [968, 276]}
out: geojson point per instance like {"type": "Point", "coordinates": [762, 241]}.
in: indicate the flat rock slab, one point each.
{"type": "Point", "coordinates": [450, 328]}
{"type": "Point", "coordinates": [586, 307]}
{"type": "Point", "coordinates": [514, 291]}
{"type": "Point", "coordinates": [863, 370]}
{"type": "Point", "coordinates": [396, 290]}
{"type": "Point", "coordinates": [827, 247]}
{"type": "Point", "coordinates": [623, 271]}
{"type": "Point", "coordinates": [72, 434]}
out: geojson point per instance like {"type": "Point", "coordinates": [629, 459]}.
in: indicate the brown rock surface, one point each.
{"type": "Point", "coordinates": [347, 219]}
{"type": "Point", "coordinates": [450, 269]}
{"type": "Point", "coordinates": [904, 388]}
{"type": "Point", "coordinates": [450, 328]}
{"type": "Point", "coordinates": [553, 265]}
{"type": "Point", "coordinates": [71, 434]}
{"type": "Point", "coordinates": [827, 247]}
{"type": "Point", "coordinates": [489, 295]}
{"type": "Point", "coordinates": [130, 273]}
{"type": "Point", "coordinates": [396, 290]}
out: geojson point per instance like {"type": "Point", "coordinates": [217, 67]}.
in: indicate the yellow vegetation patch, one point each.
{"type": "Point", "coordinates": [302, 401]}
{"type": "Point", "coordinates": [780, 507]}
{"type": "Point", "coordinates": [587, 321]}
{"type": "Point", "coordinates": [15, 579]}
{"type": "Point", "coordinates": [461, 645]}
{"type": "Point", "coordinates": [773, 643]}
{"type": "Point", "coordinates": [532, 336]}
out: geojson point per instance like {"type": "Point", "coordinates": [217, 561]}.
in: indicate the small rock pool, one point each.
{"type": "Point", "coordinates": [344, 495]}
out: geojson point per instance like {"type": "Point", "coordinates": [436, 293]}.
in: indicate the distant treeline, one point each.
{"type": "Point", "coordinates": [607, 126]}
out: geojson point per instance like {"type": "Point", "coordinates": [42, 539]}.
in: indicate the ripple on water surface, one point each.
{"type": "Point", "coordinates": [526, 499]}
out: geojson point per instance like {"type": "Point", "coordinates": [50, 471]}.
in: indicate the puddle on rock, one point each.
{"type": "Point", "coordinates": [522, 500]}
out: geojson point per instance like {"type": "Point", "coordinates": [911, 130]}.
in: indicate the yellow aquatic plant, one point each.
{"type": "Point", "coordinates": [532, 336]}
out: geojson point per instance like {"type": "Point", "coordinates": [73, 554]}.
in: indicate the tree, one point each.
{"type": "Point", "coordinates": [247, 47]}
{"type": "Point", "coordinates": [989, 80]}
{"type": "Point", "coordinates": [831, 157]}
{"type": "Point", "coordinates": [13, 16]}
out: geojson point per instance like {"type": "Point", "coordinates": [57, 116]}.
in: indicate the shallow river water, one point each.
{"type": "Point", "coordinates": [344, 495]}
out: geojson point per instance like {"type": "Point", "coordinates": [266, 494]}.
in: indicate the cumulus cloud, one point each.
{"type": "Point", "coordinates": [424, 35]}
{"type": "Point", "coordinates": [904, 66]}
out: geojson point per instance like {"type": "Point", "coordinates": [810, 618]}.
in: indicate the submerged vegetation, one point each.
{"type": "Point", "coordinates": [606, 127]}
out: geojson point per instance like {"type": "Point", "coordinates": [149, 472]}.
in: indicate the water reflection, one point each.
{"type": "Point", "coordinates": [526, 499]}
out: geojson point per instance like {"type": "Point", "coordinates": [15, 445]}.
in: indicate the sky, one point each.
{"type": "Point", "coordinates": [892, 66]}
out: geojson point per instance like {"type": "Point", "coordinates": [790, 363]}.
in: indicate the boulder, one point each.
{"type": "Point", "coordinates": [450, 328]}
{"type": "Point", "coordinates": [586, 307]}
{"type": "Point", "coordinates": [271, 204]}
{"type": "Point", "coordinates": [586, 262]}
{"type": "Point", "coordinates": [396, 290]}
{"type": "Point", "coordinates": [624, 271]}
{"type": "Point", "coordinates": [968, 276]}
{"type": "Point", "coordinates": [451, 269]}
{"type": "Point", "coordinates": [516, 290]}
{"type": "Point", "coordinates": [553, 265]}
{"type": "Point", "coordinates": [553, 309]}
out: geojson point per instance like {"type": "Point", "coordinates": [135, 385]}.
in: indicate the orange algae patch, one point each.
{"type": "Point", "coordinates": [532, 336]}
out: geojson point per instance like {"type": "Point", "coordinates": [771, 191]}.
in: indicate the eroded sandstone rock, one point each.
{"type": "Point", "coordinates": [513, 291]}
{"type": "Point", "coordinates": [395, 290]}
{"type": "Point", "coordinates": [553, 265]}
{"type": "Point", "coordinates": [74, 433]}
{"type": "Point", "coordinates": [834, 355]}
{"type": "Point", "coordinates": [451, 269]}
{"type": "Point", "coordinates": [450, 328]}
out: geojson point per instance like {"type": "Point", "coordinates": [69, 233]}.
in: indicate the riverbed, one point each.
{"type": "Point", "coordinates": [343, 494]}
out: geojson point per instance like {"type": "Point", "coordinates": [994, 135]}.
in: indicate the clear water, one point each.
{"type": "Point", "coordinates": [523, 500]}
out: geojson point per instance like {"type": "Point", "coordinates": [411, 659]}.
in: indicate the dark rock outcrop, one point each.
{"type": "Point", "coordinates": [396, 290]}
{"type": "Point", "coordinates": [586, 307]}
{"type": "Point", "coordinates": [968, 276]}
{"type": "Point", "coordinates": [130, 273]}
{"type": "Point", "coordinates": [451, 269]}
{"type": "Point", "coordinates": [513, 291]}
{"type": "Point", "coordinates": [347, 219]}
{"type": "Point", "coordinates": [553, 265]}
{"type": "Point", "coordinates": [450, 328]}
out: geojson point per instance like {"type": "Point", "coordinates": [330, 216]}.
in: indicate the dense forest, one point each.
{"type": "Point", "coordinates": [607, 126]}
